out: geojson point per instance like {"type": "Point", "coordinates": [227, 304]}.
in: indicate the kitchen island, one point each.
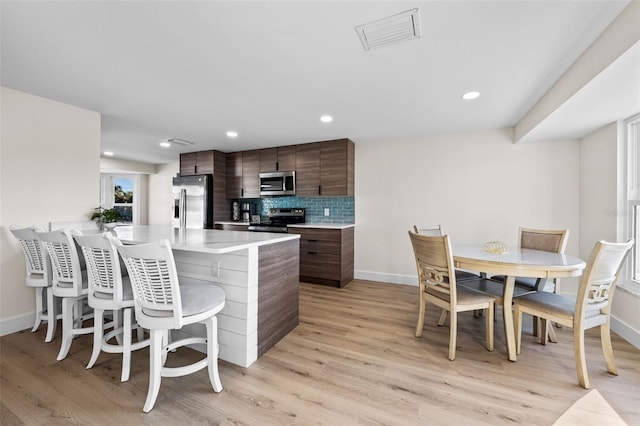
{"type": "Point", "coordinates": [258, 272]}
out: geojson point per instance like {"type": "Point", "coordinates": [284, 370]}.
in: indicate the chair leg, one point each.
{"type": "Point", "coordinates": [443, 317]}
{"type": "Point", "coordinates": [489, 327]}
{"type": "Point", "coordinates": [517, 325]}
{"type": "Point", "coordinates": [607, 349]}
{"type": "Point", "coordinates": [52, 315]}
{"type": "Point", "coordinates": [39, 308]}
{"type": "Point", "coordinates": [578, 351]}
{"type": "Point", "coordinates": [535, 326]}
{"type": "Point", "coordinates": [453, 331]}
{"type": "Point", "coordinates": [117, 323]}
{"type": "Point", "coordinates": [544, 327]}
{"type": "Point", "coordinates": [126, 345]}
{"type": "Point", "coordinates": [212, 353]}
{"type": "Point", "coordinates": [140, 333]}
{"type": "Point", "coordinates": [68, 307]}
{"type": "Point", "coordinates": [98, 330]}
{"type": "Point", "coordinates": [166, 341]}
{"type": "Point", "coordinates": [420, 324]}
{"type": "Point", "coordinates": [156, 350]}
{"type": "Point", "coordinates": [552, 334]}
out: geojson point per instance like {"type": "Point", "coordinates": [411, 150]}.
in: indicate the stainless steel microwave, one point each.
{"type": "Point", "coordinates": [278, 183]}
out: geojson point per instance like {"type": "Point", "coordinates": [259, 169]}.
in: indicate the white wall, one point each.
{"type": "Point", "coordinates": [599, 217]}
{"type": "Point", "coordinates": [50, 171]}
{"type": "Point", "coordinates": [160, 196]}
{"type": "Point", "coordinates": [478, 185]}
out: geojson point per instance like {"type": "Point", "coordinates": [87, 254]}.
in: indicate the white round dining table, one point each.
{"type": "Point", "coordinates": [517, 262]}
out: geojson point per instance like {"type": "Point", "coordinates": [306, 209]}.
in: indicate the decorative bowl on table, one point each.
{"type": "Point", "coordinates": [495, 247]}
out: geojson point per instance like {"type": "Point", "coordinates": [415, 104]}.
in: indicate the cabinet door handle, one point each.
{"type": "Point", "coordinates": [312, 252]}
{"type": "Point", "coordinates": [195, 169]}
{"type": "Point", "coordinates": [319, 189]}
{"type": "Point", "coordinates": [241, 192]}
{"type": "Point", "coordinates": [312, 241]}
{"type": "Point", "coordinates": [277, 166]}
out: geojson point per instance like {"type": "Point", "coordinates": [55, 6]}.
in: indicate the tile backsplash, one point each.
{"type": "Point", "coordinates": [341, 209]}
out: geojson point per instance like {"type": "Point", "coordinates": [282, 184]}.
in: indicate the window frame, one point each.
{"type": "Point", "coordinates": [630, 226]}
{"type": "Point", "coordinates": [107, 191]}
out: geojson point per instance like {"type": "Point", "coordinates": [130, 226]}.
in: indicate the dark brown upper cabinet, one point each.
{"type": "Point", "coordinates": [325, 169]}
{"type": "Point", "coordinates": [197, 163]}
{"type": "Point", "coordinates": [243, 169]}
{"type": "Point", "coordinates": [278, 159]}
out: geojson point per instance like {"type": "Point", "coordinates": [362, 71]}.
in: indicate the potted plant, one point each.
{"type": "Point", "coordinates": [106, 218]}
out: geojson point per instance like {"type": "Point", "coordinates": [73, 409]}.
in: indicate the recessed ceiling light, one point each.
{"type": "Point", "coordinates": [326, 119]}
{"type": "Point", "coordinates": [470, 95]}
{"type": "Point", "coordinates": [165, 144]}
{"type": "Point", "coordinates": [232, 134]}
{"type": "Point", "coordinates": [108, 153]}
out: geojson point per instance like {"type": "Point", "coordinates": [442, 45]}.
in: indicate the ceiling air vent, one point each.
{"type": "Point", "coordinates": [179, 142]}
{"type": "Point", "coordinates": [394, 29]}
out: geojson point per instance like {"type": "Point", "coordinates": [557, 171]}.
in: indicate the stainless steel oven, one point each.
{"type": "Point", "coordinates": [279, 219]}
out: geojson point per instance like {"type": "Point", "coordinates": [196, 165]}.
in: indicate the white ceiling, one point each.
{"type": "Point", "coordinates": [268, 70]}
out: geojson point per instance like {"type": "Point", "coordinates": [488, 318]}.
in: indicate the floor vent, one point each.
{"type": "Point", "coordinates": [387, 31]}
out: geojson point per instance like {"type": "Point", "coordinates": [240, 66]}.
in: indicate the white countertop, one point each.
{"type": "Point", "coordinates": [199, 240]}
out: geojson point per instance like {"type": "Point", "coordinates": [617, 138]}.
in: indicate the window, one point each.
{"type": "Point", "coordinates": [123, 198]}
{"type": "Point", "coordinates": [119, 192]}
{"type": "Point", "coordinates": [631, 131]}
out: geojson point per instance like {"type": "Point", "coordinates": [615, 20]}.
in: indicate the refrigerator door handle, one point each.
{"type": "Point", "coordinates": [183, 208]}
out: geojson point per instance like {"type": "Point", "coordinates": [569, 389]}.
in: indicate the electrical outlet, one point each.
{"type": "Point", "coordinates": [326, 212]}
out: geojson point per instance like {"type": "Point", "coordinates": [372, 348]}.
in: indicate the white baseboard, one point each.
{"type": "Point", "coordinates": [625, 331]}
{"type": "Point", "coordinates": [386, 278]}
{"type": "Point", "coordinates": [19, 323]}
{"type": "Point", "coordinates": [619, 327]}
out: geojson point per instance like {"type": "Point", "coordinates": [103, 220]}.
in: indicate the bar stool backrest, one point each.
{"type": "Point", "coordinates": [155, 283]}
{"type": "Point", "coordinates": [103, 271]}
{"type": "Point", "coordinates": [65, 263]}
{"type": "Point", "coordinates": [36, 259]}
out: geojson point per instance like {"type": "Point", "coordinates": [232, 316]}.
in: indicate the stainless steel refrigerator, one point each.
{"type": "Point", "coordinates": [193, 201]}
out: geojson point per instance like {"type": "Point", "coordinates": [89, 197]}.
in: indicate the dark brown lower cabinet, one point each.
{"type": "Point", "coordinates": [326, 255]}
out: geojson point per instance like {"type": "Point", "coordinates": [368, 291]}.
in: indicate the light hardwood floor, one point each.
{"type": "Point", "coordinates": [352, 360]}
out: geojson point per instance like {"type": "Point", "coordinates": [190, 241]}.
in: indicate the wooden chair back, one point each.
{"type": "Point", "coordinates": [599, 280]}
{"type": "Point", "coordinates": [434, 262]}
{"type": "Point", "coordinates": [432, 231]}
{"type": "Point", "coordinates": [546, 240]}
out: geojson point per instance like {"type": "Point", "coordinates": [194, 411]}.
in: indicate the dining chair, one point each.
{"type": "Point", "coordinates": [163, 304]}
{"type": "Point", "coordinates": [109, 290]}
{"type": "Point", "coordinates": [536, 239]}
{"type": "Point", "coordinates": [438, 286]}
{"type": "Point", "coordinates": [69, 283]}
{"type": "Point", "coordinates": [590, 308]}
{"type": "Point", "coordinates": [436, 231]}
{"type": "Point", "coordinates": [38, 268]}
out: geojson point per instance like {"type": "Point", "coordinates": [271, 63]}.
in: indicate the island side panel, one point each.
{"type": "Point", "coordinates": [278, 292]}
{"type": "Point", "coordinates": [237, 274]}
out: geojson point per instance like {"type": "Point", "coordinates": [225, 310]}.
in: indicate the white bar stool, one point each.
{"type": "Point", "coordinates": [109, 290]}
{"type": "Point", "coordinates": [69, 283]}
{"type": "Point", "coordinates": [162, 304]}
{"type": "Point", "coordinates": [39, 277]}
